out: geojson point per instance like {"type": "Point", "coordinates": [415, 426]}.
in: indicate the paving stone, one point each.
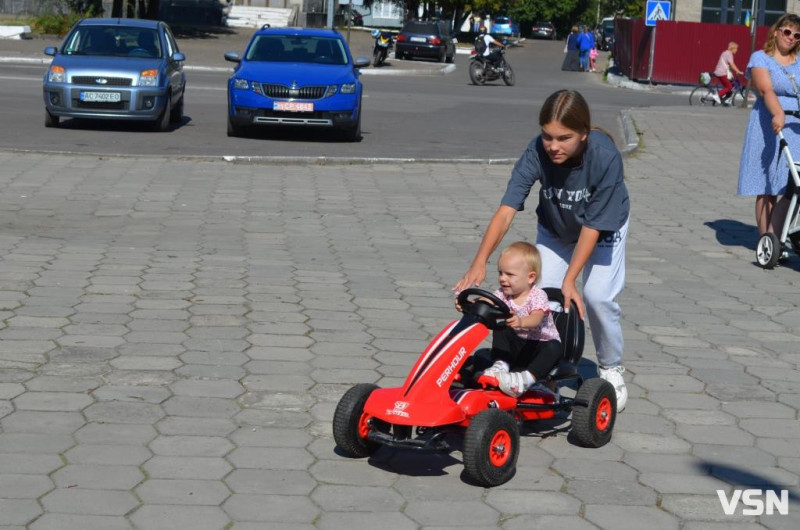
{"type": "Point", "coordinates": [630, 517]}
{"type": "Point", "coordinates": [18, 511]}
{"type": "Point", "coordinates": [108, 454]}
{"type": "Point", "coordinates": [166, 517]}
{"type": "Point", "coordinates": [89, 502]}
{"type": "Point", "coordinates": [386, 521]}
{"type": "Point", "coordinates": [52, 401]}
{"type": "Point", "coordinates": [271, 508]}
{"type": "Point", "coordinates": [108, 477]}
{"type": "Point", "coordinates": [20, 486]}
{"type": "Point", "coordinates": [182, 491]}
{"type": "Point", "coordinates": [190, 446]}
{"type": "Point", "coordinates": [62, 521]}
{"type": "Point", "coordinates": [176, 467]}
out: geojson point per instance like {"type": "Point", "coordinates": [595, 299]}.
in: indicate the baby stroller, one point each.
{"type": "Point", "coordinates": [771, 247]}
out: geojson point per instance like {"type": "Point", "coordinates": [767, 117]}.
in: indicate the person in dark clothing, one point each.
{"type": "Point", "coordinates": [572, 50]}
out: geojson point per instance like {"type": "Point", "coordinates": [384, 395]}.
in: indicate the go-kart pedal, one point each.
{"type": "Point", "coordinates": [429, 407]}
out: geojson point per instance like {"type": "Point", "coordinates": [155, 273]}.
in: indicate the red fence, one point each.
{"type": "Point", "coordinates": [682, 49]}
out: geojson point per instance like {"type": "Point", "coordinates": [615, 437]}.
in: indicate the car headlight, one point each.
{"type": "Point", "coordinates": [241, 84]}
{"type": "Point", "coordinates": [148, 78]}
{"type": "Point", "coordinates": [349, 88]}
{"type": "Point", "coordinates": [57, 74]}
{"type": "Point", "coordinates": [330, 91]}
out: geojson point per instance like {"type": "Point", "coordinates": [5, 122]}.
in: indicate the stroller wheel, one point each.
{"type": "Point", "coordinates": [768, 250]}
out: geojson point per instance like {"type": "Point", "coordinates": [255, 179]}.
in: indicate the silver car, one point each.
{"type": "Point", "coordinates": [116, 69]}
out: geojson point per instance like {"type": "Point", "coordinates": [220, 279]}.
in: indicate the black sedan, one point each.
{"type": "Point", "coordinates": [431, 40]}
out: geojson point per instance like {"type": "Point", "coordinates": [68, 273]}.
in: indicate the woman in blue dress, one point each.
{"type": "Point", "coordinates": [763, 173]}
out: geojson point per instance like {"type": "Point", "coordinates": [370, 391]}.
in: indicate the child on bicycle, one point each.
{"type": "Point", "coordinates": [529, 346]}
{"type": "Point", "coordinates": [725, 71]}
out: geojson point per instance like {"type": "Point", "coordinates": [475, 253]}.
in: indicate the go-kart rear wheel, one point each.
{"type": "Point", "coordinates": [350, 423]}
{"type": "Point", "coordinates": [768, 250]}
{"type": "Point", "coordinates": [592, 425]}
{"type": "Point", "coordinates": [491, 448]}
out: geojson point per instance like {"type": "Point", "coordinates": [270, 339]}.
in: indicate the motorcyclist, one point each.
{"type": "Point", "coordinates": [493, 57]}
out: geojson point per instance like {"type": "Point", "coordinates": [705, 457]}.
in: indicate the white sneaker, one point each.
{"type": "Point", "coordinates": [496, 368]}
{"type": "Point", "coordinates": [716, 99]}
{"type": "Point", "coordinates": [511, 383]}
{"type": "Point", "coordinates": [614, 376]}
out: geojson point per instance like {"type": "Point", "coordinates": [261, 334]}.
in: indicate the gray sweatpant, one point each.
{"type": "Point", "coordinates": [603, 280]}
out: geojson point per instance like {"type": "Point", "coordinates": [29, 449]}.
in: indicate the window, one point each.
{"type": "Point", "coordinates": [735, 11]}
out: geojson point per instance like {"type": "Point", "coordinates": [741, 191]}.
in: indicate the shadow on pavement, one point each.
{"type": "Point", "coordinates": [734, 233]}
{"type": "Point", "coordinates": [744, 479]}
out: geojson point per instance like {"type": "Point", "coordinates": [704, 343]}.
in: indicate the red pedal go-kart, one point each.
{"type": "Point", "coordinates": [441, 399]}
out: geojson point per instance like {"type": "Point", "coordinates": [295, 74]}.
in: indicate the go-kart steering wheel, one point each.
{"type": "Point", "coordinates": [490, 313]}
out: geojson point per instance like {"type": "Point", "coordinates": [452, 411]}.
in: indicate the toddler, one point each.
{"type": "Point", "coordinates": [529, 347]}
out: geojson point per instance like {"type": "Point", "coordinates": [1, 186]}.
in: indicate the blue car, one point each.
{"type": "Point", "coordinates": [296, 77]}
{"type": "Point", "coordinates": [116, 69]}
{"type": "Point", "coordinates": [504, 26]}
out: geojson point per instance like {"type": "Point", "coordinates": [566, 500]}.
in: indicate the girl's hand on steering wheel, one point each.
{"type": "Point", "coordinates": [571, 294]}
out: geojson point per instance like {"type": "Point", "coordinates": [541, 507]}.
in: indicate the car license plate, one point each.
{"type": "Point", "coordinates": [101, 97]}
{"type": "Point", "coordinates": [418, 39]}
{"type": "Point", "coordinates": [293, 106]}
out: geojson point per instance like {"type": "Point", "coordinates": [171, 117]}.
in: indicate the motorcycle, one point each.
{"type": "Point", "coordinates": [481, 71]}
{"type": "Point", "coordinates": [383, 45]}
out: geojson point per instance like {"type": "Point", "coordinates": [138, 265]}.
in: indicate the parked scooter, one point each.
{"type": "Point", "coordinates": [481, 70]}
{"type": "Point", "coordinates": [383, 45]}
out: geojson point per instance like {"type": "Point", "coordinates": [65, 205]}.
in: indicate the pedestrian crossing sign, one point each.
{"type": "Point", "coordinates": [656, 10]}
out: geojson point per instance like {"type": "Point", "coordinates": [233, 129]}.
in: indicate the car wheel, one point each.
{"type": "Point", "coordinates": [234, 131]}
{"type": "Point", "coordinates": [451, 58]}
{"type": "Point", "coordinates": [491, 448]}
{"type": "Point", "coordinates": [351, 423]}
{"type": "Point", "coordinates": [593, 424]}
{"type": "Point", "coordinates": [162, 123]}
{"type": "Point", "coordinates": [50, 120]}
{"type": "Point", "coordinates": [399, 56]}
{"type": "Point", "coordinates": [176, 114]}
{"type": "Point", "coordinates": [353, 133]}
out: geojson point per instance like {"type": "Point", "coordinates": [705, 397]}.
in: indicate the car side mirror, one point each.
{"type": "Point", "coordinates": [178, 57]}
{"type": "Point", "coordinates": [233, 57]}
{"type": "Point", "coordinates": [361, 61]}
{"type": "Point", "coordinates": [50, 50]}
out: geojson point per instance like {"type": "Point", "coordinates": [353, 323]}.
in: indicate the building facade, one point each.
{"type": "Point", "coordinates": [732, 11]}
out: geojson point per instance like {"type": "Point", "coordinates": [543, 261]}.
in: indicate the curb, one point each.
{"type": "Point", "coordinates": [439, 70]}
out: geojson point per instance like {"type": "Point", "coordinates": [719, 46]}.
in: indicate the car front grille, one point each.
{"type": "Point", "coordinates": [282, 91]}
{"type": "Point", "coordinates": [99, 80]}
{"type": "Point", "coordinates": [119, 105]}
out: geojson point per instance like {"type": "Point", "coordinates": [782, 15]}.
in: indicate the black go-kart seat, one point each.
{"type": "Point", "coordinates": [572, 331]}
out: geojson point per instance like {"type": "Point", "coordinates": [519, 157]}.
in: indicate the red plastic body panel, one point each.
{"type": "Point", "coordinates": [424, 399]}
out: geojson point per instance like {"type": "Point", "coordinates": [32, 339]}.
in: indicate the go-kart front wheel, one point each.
{"type": "Point", "coordinates": [351, 423]}
{"type": "Point", "coordinates": [491, 448]}
{"type": "Point", "coordinates": [592, 425]}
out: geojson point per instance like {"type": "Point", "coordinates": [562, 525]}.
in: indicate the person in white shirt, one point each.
{"type": "Point", "coordinates": [492, 56]}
